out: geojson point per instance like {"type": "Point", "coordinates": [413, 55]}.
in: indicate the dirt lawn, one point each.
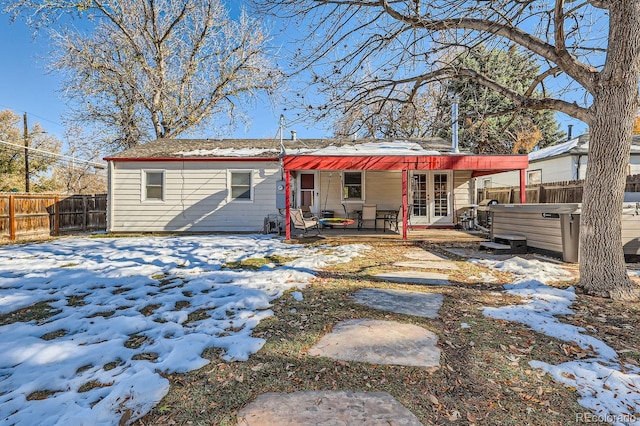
{"type": "Point", "coordinates": [484, 379]}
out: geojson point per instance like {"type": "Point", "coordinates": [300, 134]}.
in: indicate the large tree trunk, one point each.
{"type": "Point", "coordinates": [602, 267]}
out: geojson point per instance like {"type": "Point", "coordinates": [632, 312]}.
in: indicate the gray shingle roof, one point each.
{"type": "Point", "coordinates": [257, 148]}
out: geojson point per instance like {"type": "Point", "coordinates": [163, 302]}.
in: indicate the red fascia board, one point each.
{"type": "Point", "coordinates": [488, 163]}
{"type": "Point", "coordinates": [173, 159]}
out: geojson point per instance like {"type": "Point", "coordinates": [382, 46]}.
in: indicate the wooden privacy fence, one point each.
{"type": "Point", "coordinates": [551, 192]}
{"type": "Point", "coordinates": [28, 216]}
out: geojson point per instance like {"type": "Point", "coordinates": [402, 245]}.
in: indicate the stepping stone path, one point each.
{"type": "Point", "coordinates": [326, 408]}
{"type": "Point", "coordinates": [428, 264]}
{"type": "Point", "coordinates": [415, 303]}
{"type": "Point", "coordinates": [366, 340]}
{"type": "Point", "coordinates": [380, 342]}
{"type": "Point", "coordinates": [419, 254]}
{"type": "Point", "coordinates": [415, 277]}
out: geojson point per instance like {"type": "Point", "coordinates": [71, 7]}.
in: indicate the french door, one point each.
{"type": "Point", "coordinates": [430, 198]}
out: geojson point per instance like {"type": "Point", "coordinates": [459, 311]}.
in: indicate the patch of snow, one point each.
{"type": "Point", "coordinates": [229, 152]}
{"type": "Point", "coordinates": [606, 387]}
{"type": "Point", "coordinates": [377, 148]}
{"type": "Point", "coordinates": [106, 292]}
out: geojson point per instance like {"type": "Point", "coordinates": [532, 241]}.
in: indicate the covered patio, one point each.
{"type": "Point", "coordinates": [430, 188]}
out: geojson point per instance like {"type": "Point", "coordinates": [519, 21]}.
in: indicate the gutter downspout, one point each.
{"type": "Point", "coordinates": [110, 167]}
{"type": "Point", "coordinates": [578, 164]}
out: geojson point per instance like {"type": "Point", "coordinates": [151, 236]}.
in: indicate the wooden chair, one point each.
{"type": "Point", "coordinates": [368, 213]}
{"type": "Point", "coordinates": [298, 221]}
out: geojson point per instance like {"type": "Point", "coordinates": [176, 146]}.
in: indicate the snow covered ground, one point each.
{"type": "Point", "coordinates": [127, 309]}
{"type": "Point", "coordinates": [609, 389]}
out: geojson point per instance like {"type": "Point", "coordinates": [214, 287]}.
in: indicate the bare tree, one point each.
{"type": "Point", "coordinates": [392, 120]}
{"type": "Point", "coordinates": [80, 171]}
{"type": "Point", "coordinates": [592, 46]}
{"type": "Point", "coordinates": [155, 68]}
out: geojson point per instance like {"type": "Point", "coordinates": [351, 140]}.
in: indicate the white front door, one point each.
{"type": "Point", "coordinates": [430, 198]}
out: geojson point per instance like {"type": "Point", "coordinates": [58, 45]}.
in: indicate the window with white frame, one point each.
{"type": "Point", "coordinates": [534, 177]}
{"type": "Point", "coordinates": [353, 188]}
{"type": "Point", "coordinates": [240, 185]}
{"type": "Point", "coordinates": [153, 185]}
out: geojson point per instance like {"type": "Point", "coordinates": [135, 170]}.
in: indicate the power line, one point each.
{"type": "Point", "coordinates": [55, 154]}
{"type": "Point", "coordinates": [31, 114]}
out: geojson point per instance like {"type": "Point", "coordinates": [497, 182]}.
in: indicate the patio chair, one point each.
{"type": "Point", "coordinates": [392, 219]}
{"type": "Point", "coordinates": [368, 213]}
{"type": "Point", "coordinates": [306, 212]}
{"type": "Point", "coordinates": [395, 219]}
{"type": "Point", "coordinates": [298, 221]}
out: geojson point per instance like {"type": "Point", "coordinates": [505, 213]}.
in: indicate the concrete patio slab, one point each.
{"type": "Point", "coordinates": [326, 408]}
{"type": "Point", "coordinates": [415, 277]}
{"type": "Point", "coordinates": [420, 254]}
{"type": "Point", "coordinates": [380, 342]}
{"type": "Point", "coordinates": [407, 302]}
{"type": "Point", "coordinates": [428, 264]}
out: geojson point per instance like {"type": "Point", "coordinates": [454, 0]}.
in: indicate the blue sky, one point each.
{"type": "Point", "coordinates": [25, 86]}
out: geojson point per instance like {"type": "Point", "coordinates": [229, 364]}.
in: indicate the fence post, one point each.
{"type": "Point", "coordinates": [56, 209]}
{"type": "Point", "coordinates": [85, 213]}
{"type": "Point", "coordinates": [12, 218]}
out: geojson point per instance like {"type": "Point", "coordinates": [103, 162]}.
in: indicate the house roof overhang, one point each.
{"type": "Point", "coordinates": [479, 164]}
{"type": "Point", "coordinates": [192, 159]}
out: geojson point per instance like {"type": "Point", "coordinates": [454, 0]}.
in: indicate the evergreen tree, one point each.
{"type": "Point", "coordinates": [491, 123]}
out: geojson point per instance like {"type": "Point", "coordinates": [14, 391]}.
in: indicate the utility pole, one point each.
{"type": "Point", "coordinates": [26, 154]}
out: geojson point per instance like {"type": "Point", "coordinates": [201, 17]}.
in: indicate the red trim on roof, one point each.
{"type": "Point", "coordinates": [208, 159]}
{"type": "Point", "coordinates": [478, 163]}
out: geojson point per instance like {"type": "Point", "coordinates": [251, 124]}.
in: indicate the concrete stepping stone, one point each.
{"type": "Point", "coordinates": [407, 302]}
{"type": "Point", "coordinates": [415, 277]}
{"type": "Point", "coordinates": [326, 408]}
{"type": "Point", "coordinates": [380, 342]}
{"type": "Point", "coordinates": [428, 264]}
{"type": "Point", "coordinates": [419, 254]}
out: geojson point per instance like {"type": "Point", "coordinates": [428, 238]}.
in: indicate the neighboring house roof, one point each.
{"type": "Point", "coordinates": [270, 148]}
{"type": "Point", "coordinates": [577, 146]}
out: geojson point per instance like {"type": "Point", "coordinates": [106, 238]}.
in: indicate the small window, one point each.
{"type": "Point", "coordinates": [486, 183]}
{"type": "Point", "coordinates": [352, 189]}
{"type": "Point", "coordinates": [241, 186]}
{"type": "Point", "coordinates": [534, 177]}
{"type": "Point", "coordinates": [154, 186]}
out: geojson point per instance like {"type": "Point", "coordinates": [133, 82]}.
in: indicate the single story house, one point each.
{"type": "Point", "coordinates": [211, 185]}
{"type": "Point", "coordinates": [562, 162]}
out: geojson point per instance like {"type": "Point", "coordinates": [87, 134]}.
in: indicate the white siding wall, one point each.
{"type": "Point", "coordinates": [555, 169]}
{"type": "Point", "coordinates": [634, 165]}
{"type": "Point", "coordinates": [195, 198]}
{"type": "Point", "coordinates": [382, 188]}
{"type": "Point", "coordinates": [462, 193]}
{"type": "Point", "coordinates": [499, 179]}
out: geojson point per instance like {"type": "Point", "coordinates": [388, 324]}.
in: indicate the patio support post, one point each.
{"type": "Point", "coordinates": [404, 204]}
{"type": "Point", "coordinates": [523, 189]}
{"type": "Point", "coordinates": [287, 217]}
